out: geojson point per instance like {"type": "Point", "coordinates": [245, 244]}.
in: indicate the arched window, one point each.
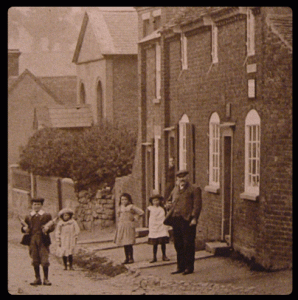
{"type": "Point", "coordinates": [82, 94]}
{"type": "Point", "coordinates": [99, 102]}
{"type": "Point", "coordinates": [252, 152]}
{"type": "Point", "coordinates": [214, 142]}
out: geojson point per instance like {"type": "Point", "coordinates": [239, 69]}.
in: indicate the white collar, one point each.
{"type": "Point", "coordinates": [41, 212]}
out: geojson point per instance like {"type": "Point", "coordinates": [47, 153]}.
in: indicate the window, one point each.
{"type": "Point", "coordinates": [156, 22]}
{"type": "Point", "coordinates": [252, 153]}
{"type": "Point", "coordinates": [145, 27]}
{"type": "Point", "coordinates": [214, 41]}
{"type": "Point", "coordinates": [82, 94]}
{"type": "Point", "coordinates": [183, 51]}
{"type": "Point", "coordinates": [214, 141]}
{"type": "Point", "coordinates": [250, 33]}
{"type": "Point", "coordinates": [186, 147]}
{"type": "Point", "coordinates": [157, 72]}
{"type": "Point", "coordinates": [156, 19]}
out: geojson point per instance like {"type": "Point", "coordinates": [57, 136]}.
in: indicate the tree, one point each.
{"type": "Point", "coordinates": [91, 157]}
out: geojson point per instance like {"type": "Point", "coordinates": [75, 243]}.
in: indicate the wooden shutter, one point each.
{"type": "Point", "coordinates": [177, 147]}
{"type": "Point", "coordinates": [190, 151]}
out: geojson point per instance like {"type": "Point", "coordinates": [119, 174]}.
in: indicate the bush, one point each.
{"type": "Point", "coordinates": [92, 156]}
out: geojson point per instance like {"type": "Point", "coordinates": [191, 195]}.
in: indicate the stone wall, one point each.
{"type": "Point", "coordinates": [95, 209]}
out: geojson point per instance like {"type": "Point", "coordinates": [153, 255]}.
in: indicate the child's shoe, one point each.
{"type": "Point", "coordinates": [165, 258]}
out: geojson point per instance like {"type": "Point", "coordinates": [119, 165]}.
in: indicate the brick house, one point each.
{"type": "Point", "coordinates": [216, 96]}
{"type": "Point", "coordinates": [106, 61]}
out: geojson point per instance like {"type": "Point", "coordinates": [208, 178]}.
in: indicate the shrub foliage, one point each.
{"type": "Point", "coordinates": [90, 157]}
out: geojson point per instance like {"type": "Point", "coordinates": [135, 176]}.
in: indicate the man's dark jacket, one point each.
{"type": "Point", "coordinates": [188, 201]}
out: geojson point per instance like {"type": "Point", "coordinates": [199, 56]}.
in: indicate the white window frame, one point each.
{"type": "Point", "coordinates": [182, 143]}
{"type": "Point", "coordinates": [183, 51]}
{"type": "Point", "coordinates": [250, 33]}
{"type": "Point", "coordinates": [252, 153]}
{"type": "Point", "coordinates": [214, 150]}
{"type": "Point", "coordinates": [214, 43]}
{"type": "Point", "coordinates": [157, 73]}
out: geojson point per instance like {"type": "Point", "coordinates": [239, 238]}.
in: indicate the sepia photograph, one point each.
{"type": "Point", "coordinates": [150, 150]}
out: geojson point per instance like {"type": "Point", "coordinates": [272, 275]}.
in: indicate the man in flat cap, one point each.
{"type": "Point", "coordinates": [39, 239]}
{"type": "Point", "coordinates": [184, 206]}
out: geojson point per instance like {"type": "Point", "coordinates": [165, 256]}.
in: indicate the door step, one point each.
{"type": "Point", "coordinates": [218, 248]}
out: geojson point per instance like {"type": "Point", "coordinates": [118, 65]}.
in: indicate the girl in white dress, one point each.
{"type": "Point", "coordinates": [128, 215]}
{"type": "Point", "coordinates": [67, 232]}
{"type": "Point", "coordinates": [158, 232]}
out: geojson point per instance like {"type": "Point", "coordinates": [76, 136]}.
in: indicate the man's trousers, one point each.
{"type": "Point", "coordinates": [184, 242]}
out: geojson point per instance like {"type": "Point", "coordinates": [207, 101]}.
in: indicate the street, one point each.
{"type": "Point", "coordinates": [212, 276]}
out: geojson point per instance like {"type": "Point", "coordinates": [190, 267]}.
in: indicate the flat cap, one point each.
{"type": "Point", "coordinates": [41, 200]}
{"type": "Point", "coordinates": [181, 173]}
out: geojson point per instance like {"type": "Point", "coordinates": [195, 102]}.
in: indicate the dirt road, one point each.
{"type": "Point", "coordinates": [216, 275]}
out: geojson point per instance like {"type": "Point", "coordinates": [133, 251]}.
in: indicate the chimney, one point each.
{"type": "Point", "coordinates": [13, 62]}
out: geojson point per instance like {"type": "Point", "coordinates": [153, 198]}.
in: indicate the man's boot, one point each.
{"type": "Point", "coordinates": [64, 258]}
{"type": "Point", "coordinates": [46, 273]}
{"type": "Point", "coordinates": [37, 280]}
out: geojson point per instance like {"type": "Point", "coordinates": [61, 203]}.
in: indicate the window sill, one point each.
{"type": "Point", "coordinates": [156, 100]}
{"type": "Point", "coordinates": [249, 196]}
{"type": "Point", "coordinates": [211, 189]}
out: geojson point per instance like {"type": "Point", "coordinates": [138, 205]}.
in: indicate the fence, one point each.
{"type": "Point", "coordinates": [57, 192]}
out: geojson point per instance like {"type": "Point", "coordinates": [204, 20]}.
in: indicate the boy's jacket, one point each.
{"type": "Point", "coordinates": [44, 219]}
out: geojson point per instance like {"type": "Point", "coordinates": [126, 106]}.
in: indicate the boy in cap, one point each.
{"type": "Point", "coordinates": [39, 239]}
{"type": "Point", "coordinates": [184, 205]}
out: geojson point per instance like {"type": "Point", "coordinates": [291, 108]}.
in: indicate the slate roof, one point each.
{"type": "Point", "coordinates": [282, 26]}
{"type": "Point", "coordinates": [61, 88]}
{"type": "Point", "coordinates": [64, 87]}
{"type": "Point", "coordinates": [116, 31]}
{"type": "Point", "coordinates": [185, 15]}
{"type": "Point", "coordinates": [64, 117]}
{"type": "Point", "coordinates": [13, 83]}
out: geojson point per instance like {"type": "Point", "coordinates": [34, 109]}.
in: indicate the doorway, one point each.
{"type": "Point", "coordinates": [227, 183]}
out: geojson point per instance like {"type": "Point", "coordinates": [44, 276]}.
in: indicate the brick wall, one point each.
{"type": "Point", "coordinates": [261, 229]}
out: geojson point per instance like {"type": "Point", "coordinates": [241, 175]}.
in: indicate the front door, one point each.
{"type": "Point", "coordinates": [227, 195]}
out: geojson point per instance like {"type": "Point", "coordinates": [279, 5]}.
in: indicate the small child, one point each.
{"type": "Point", "coordinates": [125, 233]}
{"type": "Point", "coordinates": [67, 232]}
{"type": "Point", "coordinates": [158, 232]}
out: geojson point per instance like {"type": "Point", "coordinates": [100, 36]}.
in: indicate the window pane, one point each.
{"type": "Point", "coordinates": [254, 167]}
{"type": "Point", "coordinates": [254, 150]}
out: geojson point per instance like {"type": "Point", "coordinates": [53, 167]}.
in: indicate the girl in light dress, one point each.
{"type": "Point", "coordinates": [67, 232]}
{"type": "Point", "coordinates": [158, 232]}
{"type": "Point", "coordinates": [128, 215]}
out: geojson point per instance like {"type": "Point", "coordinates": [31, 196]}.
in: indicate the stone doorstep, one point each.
{"type": "Point", "coordinates": [173, 260]}
{"type": "Point", "coordinates": [217, 248]}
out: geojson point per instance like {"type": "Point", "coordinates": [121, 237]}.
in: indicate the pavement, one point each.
{"type": "Point", "coordinates": [143, 253]}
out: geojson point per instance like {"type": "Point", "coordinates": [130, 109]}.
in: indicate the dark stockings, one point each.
{"type": "Point", "coordinates": [163, 250]}
{"type": "Point", "coordinates": [65, 262]}
{"type": "Point", "coordinates": [128, 250]}
{"type": "Point", "coordinates": [36, 271]}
